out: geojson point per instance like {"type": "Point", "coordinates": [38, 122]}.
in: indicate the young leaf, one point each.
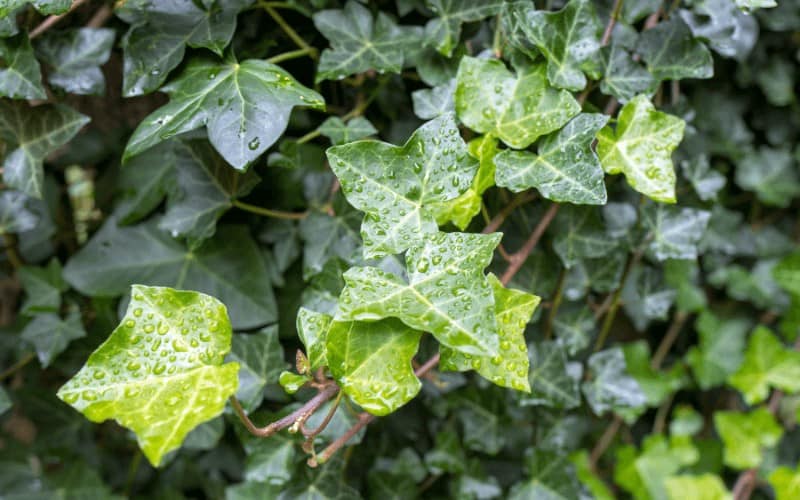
{"type": "Point", "coordinates": [787, 273]}
{"type": "Point", "coordinates": [31, 134]}
{"type": "Point", "coordinates": [360, 43]}
{"type": "Point", "coordinates": [767, 363]}
{"type": "Point", "coordinates": [565, 168]}
{"type": "Point", "coordinates": [75, 57]}
{"type": "Point", "coordinates": [20, 75]}
{"type": "Point", "coordinates": [372, 362]}
{"type": "Point", "coordinates": [396, 185]}
{"type": "Point", "coordinates": [491, 100]}
{"type": "Point", "coordinates": [786, 483]}
{"type": "Point", "coordinates": [644, 474]}
{"type": "Point", "coordinates": [641, 148]}
{"type": "Point", "coordinates": [672, 53]}
{"type": "Point", "coordinates": [160, 398]}
{"type": "Point", "coordinates": [566, 38]}
{"type": "Point", "coordinates": [444, 31]}
{"type": "Point", "coordinates": [244, 106]}
{"type": "Point", "coordinates": [745, 436]}
{"type": "Point", "coordinates": [513, 309]}
{"type": "Point", "coordinates": [447, 293]}
{"type": "Point", "coordinates": [312, 328]}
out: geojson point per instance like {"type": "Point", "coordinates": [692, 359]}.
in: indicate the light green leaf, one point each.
{"type": "Point", "coordinates": [553, 382]}
{"type": "Point", "coordinates": [292, 382]}
{"type": "Point", "coordinates": [372, 362]}
{"type": "Point", "coordinates": [674, 232]}
{"type": "Point", "coordinates": [589, 477]}
{"type": "Point", "coordinates": [767, 363]}
{"type": "Point", "coordinates": [565, 168]}
{"type": "Point", "coordinates": [312, 328]}
{"type": "Point", "coordinates": [244, 106]}
{"type": "Point", "coordinates": [160, 31]}
{"type": "Point", "coordinates": [20, 75]}
{"type": "Point", "coordinates": [787, 273]}
{"type": "Point", "coordinates": [446, 294]}
{"type": "Point", "coordinates": [785, 482]}
{"type": "Point", "coordinates": [656, 385]}
{"type": "Point", "coordinates": [611, 387]}
{"type": "Point", "coordinates": [340, 133]}
{"type": "Point", "coordinates": [517, 109]}
{"type": "Point", "coordinates": [15, 214]}
{"type": "Point", "coordinates": [771, 173]}
{"type": "Point", "coordinates": [756, 4]}
{"type": "Point", "coordinates": [513, 309]}
{"type": "Point", "coordinates": [228, 266]}
{"type": "Point", "coordinates": [75, 57]}
{"type": "Point", "coordinates": [159, 399]}
{"type": "Point", "coordinates": [31, 134]}
{"type": "Point", "coordinates": [360, 43]}
{"type": "Point", "coordinates": [746, 435]}
{"type": "Point", "coordinates": [672, 53]}
{"type": "Point", "coordinates": [51, 335]}
{"type": "Point", "coordinates": [720, 349]}
{"type": "Point", "coordinates": [444, 30]}
{"type": "Point", "coordinates": [260, 357]}
{"type": "Point", "coordinates": [644, 474]}
{"type": "Point", "coordinates": [396, 186]}
{"type": "Point", "coordinates": [641, 148]}
{"type": "Point", "coordinates": [566, 38]}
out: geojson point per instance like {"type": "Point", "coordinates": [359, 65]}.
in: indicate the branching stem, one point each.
{"type": "Point", "coordinates": [291, 33]}
{"type": "Point", "coordinates": [266, 212]}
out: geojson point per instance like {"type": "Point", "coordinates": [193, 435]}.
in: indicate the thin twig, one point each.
{"type": "Point", "coordinates": [292, 54]}
{"type": "Point", "coordinates": [100, 17]}
{"type": "Point", "coordinates": [311, 434]}
{"type": "Point", "coordinates": [291, 33]}
{"type": "Point", "coordinates": [11, 370]}
{"type": "Point", "coordinates": [608, 322]}
{"type": "Point", "coordinates": [669, 339]}
{"type": "Point", "coordinates": [518, 258]}
{"type": "Point", "coordinates": [266, 212]}
{"type": "Point", "coordinates": [10, 242]}
{"type": "Point", "coordinates": [612, 22]}
{"type": "Point", "coordinates": [53, 20]}
{"type": "Point", "coordinates": [605, 441]}
{"type": "Point", "coordinates": [297, 416]}
{"type": "Point", "coordinates": [503, 214]}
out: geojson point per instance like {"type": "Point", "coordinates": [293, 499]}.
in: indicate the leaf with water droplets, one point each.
{"type": "Point", "coordinates": [641, 147]}
{"type": "Point", "coordinates": [75, 57]}
{"type": "Point", "coordinates": [31, 134]}
{"type": "Point", "coordinates": [517, 109]}
{"type": "Point", "coordinates": [398, 186]}
{"type": "Point", "coordinates": [340, 132]}
{"type": "Point", "coordinates": [565, 168]}
{"type": "Point", "coordinates": [372, 362]}
{"type": "Point", "coordinates": [672, 53]}
{"type": "Point", "coordinates": [444, 31]}
{"type": "Point", "coordinates": [566, 38]}
{"type": "Point", "coordinates": [244, 107]}
{"type": "Point", "coordinates": [447, 293]}
{"type": "Point", "coordinates": [513, 309]}
{"type": "Point", "coordinates": [161, 372]}
{"type": "Point", "coordinates": [554, 381]}
{"type": "Point", "coordinates": [312, 328]}
{"type": "Point", "coordinates": [20, 75]}
{"type": "Point", "coordinates": [360, 43]}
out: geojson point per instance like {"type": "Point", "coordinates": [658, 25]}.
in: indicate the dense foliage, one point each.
{"type": "Point", "coordinates": [380, 249]}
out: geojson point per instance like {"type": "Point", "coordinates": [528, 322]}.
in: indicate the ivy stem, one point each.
{"type": "Point", "coordinates": [292, 54]}
{"type": "Point", "coordinates": [612, 22]}
{"type": "Point", "coordinates": [497, 43]}
{"type": "Point", "coordinates": [291, 33]}
{"type": "Point", "coordinates": [11, 370]}
{"type": "Point", "coordinates": [14, 258]}
{"type": "Point", "coordinates": [132, 470]}
{"type": "Point", "coordinates": [604, 442]}
{"type": "Point", "coordinates": [503, 214]}
{"type": "Point", "coordinates": [311, 434]}
{"type": "Point", "coordinates": [557, 297]}
{"type": "Point", "coordinates": [266, 212]}
{"type": "Point", "coordinates": [608, 321]}
{"type": "Point", "coordinates": [669, 339]}
{"type": "Point", "coordinates": [299, 415]}
{"type": "Point", "coordinates": [53, 20]}
{"type": "Point", "coordinates": [518, 258]}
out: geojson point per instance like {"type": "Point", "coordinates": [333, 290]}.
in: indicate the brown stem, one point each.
{"type": "Point", "coordinates": [11, 370]}
{"type": "Point", "coordinates": [10, 242]}
{"type": "Point", "coordinates": [608, 322]}
{"type": "Point", "coordinates": [669, 339]}
{"type": "Point", "coordinates": [501, 216]}
{"type": "Point", "coordinates": [744, 485]}
{"type": "Point", "coordinates": [611, 22]}
{"type": "Point", "coordinates": [52, 20]}
{"type": "Point", "coordinates": [100, 17]}
{"type": "Point", "coordinates": [605, 441]}
{"type": "Point", "coordinates": [311, 434]}
{"type": "Point", "coordinates": [518, 258]}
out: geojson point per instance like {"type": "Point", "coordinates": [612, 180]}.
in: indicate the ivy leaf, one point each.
{"type": "Point", "coordinates": [646, 296]}
{"type": "Point", "coordinates": [270, 461]}
{"type": "Point", "coordinates": [324, 483]}
{"type": "Point", "coordinates": [656, 385]}
{"type": "Point", "coordinates": [787, 273]}
{"type": "Point", "coordinates": [160, 32]}
{"type": "Point", "coordinates": [31, 134]}
{"type": "Point", "coordinates": [160, 400]}
{"type": "Point", "coordinates": [641, 148]}
{"type": "Point", "coordinates": [756, 4]}
{"type": "Point", "coordinates": [260, 357]}
{"type": "Point", "coordinates": [579, 235]}
{"type": "Point", "coordinates": [20, 76]}
{"type": "Point", "coordinates": [312, 328]}
{"type": "Point", "coordinates": [444, 31]}
{"type": "Point", "coordinates": [117, 257]}
{"type": "Point", "coordinates": [706, 181]}
{"type": "Point", "coordinates": [75, 57]}
{"type": "Point", "coordinates": [611, 387]}
{"type": "Point", "coordinates": [566, 38]}
{"type": "Point", "coordinates": [430, 103]}
{"type": "Point", "coordinates": [550, 475]}
{"type": "Point", "coordinates": [674, 231]}
{"type": "Point", "coordinates": [327, 237]}
{"type": "Point", "coordinates": [745, 435]}
{"type": "Point", "coordinates": [644, 474]}
{"type": "Point", "coordinates": [491, 100]}
{"type": "Point", "coordinates": [43, 287]}
{"type": "Point", "coordinates": [574, 327]}
{"type": "Point", "coordinates": [204, 191]}
{"type": "Point", "coordinates": [786, 483]}
{"type": "Point", "coordinates": [771, 173]}
{"type": "Point", "coordinates": [672, 53]}
{"type": "Point", "coordinates": [15, 215]}
{"type": "Point", "coordinates": [51, 335]}
{"type": "Point", "coordinates": [372, 362]}
{"type": "Point", "coordinates": [244, 106]}
{"type": "Point", "coordinates": [623, 77]}
{"type": "Point", "coordinates": [565, 168]}
{"type": "Point", "coordinates": [340, 132]}
{"type": "Point", "coordinates": [767, 363]}
{"type": "Point", "coordinates": [45, 7]}
{"type": "Point", "coordinates": [513, 309]}
{"type": "Point", "coordinates": [729, 31]}
{"type": "Point", "coordinates": [145, 180]}
{"type": "Point", "coordinates": [396, 185]}
{"type": "Point", "coordinates": [720, 349]}
{"type": "Point", "coordinates": [360, 43]}
{"type": "Point", "coordinates": [553, 382]}
{"type": "Point", "coordinates": [447, 293]}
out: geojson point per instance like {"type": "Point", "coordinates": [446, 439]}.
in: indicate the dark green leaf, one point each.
{"type": "Point", "coordinates": [611, 387]}
{"type": "Point", "coordinates": [672, 53]}
{"type": "Point", "coordinates": [720, 349]}
{"type": "Point", "coordinates": [20, 76]}
{"type": "Point", "coordinates": [553, 381]}
{"type": "Point", "coordinates": [51, 335]}
{"type": "Point", "coordinates": [75, 58]}
{"type": "Point", "coordinates": [260, 357]}
{"type": "Point", "coordinates": [444, 31]}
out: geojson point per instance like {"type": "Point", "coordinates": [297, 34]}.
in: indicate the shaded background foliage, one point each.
{"type": "Point", "coordinates": [662, 359]}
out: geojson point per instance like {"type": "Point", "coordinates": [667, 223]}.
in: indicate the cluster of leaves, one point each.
{"type": "Point", "coordinates": [417, 202]}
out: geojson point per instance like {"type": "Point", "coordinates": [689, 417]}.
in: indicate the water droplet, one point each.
{"type": "Point", "coordinates": [149, 328]}
{"type": "Point", "coordinates": [130, 323]}
{"type": "Point", "coordinates": [254, 143]}
{"type": "Point", "coordinates": [98, 374]}
{"type": "Point", "coordinates": [159, 368]}
{"type": "Point", "coordinates": [422, 265]}
{"type": "Point", "coordinates": [497, 360]}
{"type": "Point", "coordinates": [89, 395]}
{"type": "Point", "coordinates": [137, 312]}
{"type": "Point", "coordinates": [505, 345]}
{"type": "Point", "coordinates": [163, 328]}
{"type": "Point", "coordinates": [133, 366]}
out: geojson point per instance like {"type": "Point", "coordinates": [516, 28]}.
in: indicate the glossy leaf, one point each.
{"type": "Point", "coordinates": [360, 42]}
{"type": "Point", "coordinates": [767, 363]}
{"type": "Point", "coordinates": [444, 31]}
{"type": "Point", "coordinates": [672, 53]}
{"type": "Point", "coordinates": [396, 185]}
{"type": "Point", "coordinates": [75, 58]}
{"type": "Point", "coordinates": [430, 103]}
{"type": "Point", "coordinates": [553, 382]}
{"type": "Point", "coordinates": [31, 134]}
{"type": "Point", "coordinates": [312, 328]}
{"type": "Point", "coordinates": [20, 76]}
{"type": "Point", "coordinates": [446, 294]}
{"type": "Point", "coordinates": [673, 232]}
{"type": "Point", "coordinates": [260, 358]}
{"type": "Point", "coordinates": [328, 237]}
{"type": "Point", "coordinates": [580, 235]}
{"type": "Point", "coordinates": [161, 400]}
{"type": "Point", "coordinates": [729, 31]}
{"type": "Point", "coordinates": [623, 77]}
{"type": "Point", "coordinates": [46, 7]}
{"type": "Point", "coordinates": [565, 168]}
{"type": "Point", "coordinates": [641, 147]}
{"type": "Point", "coordinates": [517, 109]}
{"type": "Point", "coordinates": [611, 387]}
{"type": "Point", "coordinates": [244, 107]}
{"type": "Point", "coordinates": [706, 181]}
{"type": "Point", "coordinates": [746, 435]}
